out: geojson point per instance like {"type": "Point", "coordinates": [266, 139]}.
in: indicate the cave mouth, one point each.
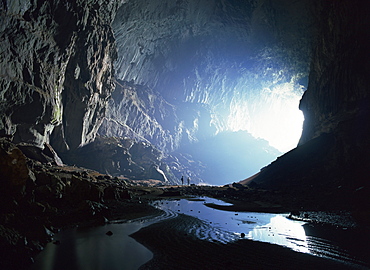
{"type": "Point", "coordinates": [194, 72]}
{"type": "Point", "coordinates": [272, 115]}
{"type": "Point", "coordinates": [247, 62]}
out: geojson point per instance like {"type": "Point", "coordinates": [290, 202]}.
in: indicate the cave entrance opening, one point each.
{"type": "Point", "coordinates": [272, 114]}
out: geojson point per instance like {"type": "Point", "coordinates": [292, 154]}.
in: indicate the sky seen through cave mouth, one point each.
{"type": "Point", "coordinates": [272, 115]}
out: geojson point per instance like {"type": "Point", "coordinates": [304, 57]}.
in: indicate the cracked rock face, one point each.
{"type": "Point", "coordinates": [338, 89]}
{"type": "Point", "coordinates": [180, 65]}
{"type": "Point", "coordinates": [189, 44]}
{"type": "Point", "coordinates": [123, 157]}
{"type": "Point", "coordinates": [182, 69]}
{"type": "Point", "coordinates": [218, 53]}
{"type": "Point", "coordinates": [55, 70]}
{"type": "Point", "coordinates": [333, 155]}
{"type": "Point", "coordinates": [139, 113]}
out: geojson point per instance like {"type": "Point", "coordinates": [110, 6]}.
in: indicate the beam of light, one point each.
{"type": "Point", "coordinates": [271, 114]}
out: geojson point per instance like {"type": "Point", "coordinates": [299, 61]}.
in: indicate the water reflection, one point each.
{"type": "Point", "coordinates": [264, 227]}
{"type": "Point", "coordinates": [283, 232]}
{"type": "Point", "coordinates": [226, 226]}
{"type": "Point", "coordinates": [92, 248]}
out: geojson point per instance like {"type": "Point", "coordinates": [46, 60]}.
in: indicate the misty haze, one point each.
{"type": "Point", "coordinates": [197, 134]}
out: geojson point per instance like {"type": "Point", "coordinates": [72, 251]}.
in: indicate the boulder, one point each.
{"type": "Point", "coordinates": [15, 175]}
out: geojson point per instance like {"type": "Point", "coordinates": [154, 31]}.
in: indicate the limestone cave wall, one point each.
{"type": "Point", "coordinates": [338, 90]}
{"type": "Point", "coordinates": [56, 70]}
{"type": "Point", "coordinates": [224, 54]}
{"type": "Point", "coordinates": [138, 112]}
{"type": "Point", "coordinates": [333, 156]}
{"type": "Point", "coordinates": [182, 65]}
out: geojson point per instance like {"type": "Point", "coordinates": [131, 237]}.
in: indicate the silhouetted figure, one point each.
{"type": "Point", "coordinates": [182, 180]}
{"type": "Point", "coordinates": [188, 181]}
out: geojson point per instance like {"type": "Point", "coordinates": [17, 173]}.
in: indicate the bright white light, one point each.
{"type": "Point", "coordinates": [283, 232]}
{"type": "Point", "coordinates": [272, 115]}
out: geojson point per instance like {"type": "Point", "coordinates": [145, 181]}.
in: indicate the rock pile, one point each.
{"type": "Point", "coordinates": [36, 198]}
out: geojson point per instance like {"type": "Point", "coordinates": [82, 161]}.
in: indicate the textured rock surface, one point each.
{"type": "Point", "coordinates": [230, 55]}
{"type": "Point", "coordinates": [193, 50]}
{"type": "Point", "coordinates": [36, 197]}
{"type": "Point", "coordinates": [14, 174]}
{"type": "Point", "coordinates": [141, 114]}
{"type": "Point", "coordinates": [123, 157]}
{"type": "Point", "coordinates": [57, 91]}
{"type": "Point", "coordinates": [334, 149]}
{"type": "Point", "coordinates": [55, 70]}
{"type": "Point", "coordinates": [195, 55]}
{"type": "Point", "coordinates": [338, 90]}
{"type": "Point", "coordinates": [56, 77]}
{"type": "Point", "coordinates": [226, 157]}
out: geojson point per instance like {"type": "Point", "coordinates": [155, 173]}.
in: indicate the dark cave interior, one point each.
{"type": "Point", "coordinates": [98, 98]}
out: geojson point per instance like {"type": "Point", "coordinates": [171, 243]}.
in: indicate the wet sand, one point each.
{"type": "Point", "coordinates": [175, 248]}
{"type": "Point", "coordinates": [175, 245]}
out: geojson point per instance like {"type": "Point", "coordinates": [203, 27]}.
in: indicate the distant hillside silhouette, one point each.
{"type": "Point", "coordinates": [231, 156]}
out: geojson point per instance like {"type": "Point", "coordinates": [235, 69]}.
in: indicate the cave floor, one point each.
{"type": "Point", "coordinates": [174, 247]}
{"type": "Point", "coordinates": [90, 199]}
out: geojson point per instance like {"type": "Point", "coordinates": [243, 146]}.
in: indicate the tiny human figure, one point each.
{"type": "Point", "coordinates": [182, 180]}
{"type": "Point", "coordinates": [188, 181]}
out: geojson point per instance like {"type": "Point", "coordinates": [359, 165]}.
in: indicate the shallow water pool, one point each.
{"type": "Point", "coordinates": [265, 227]}
{"type": "Point", "coordinates": [92, 248]}
{"type": "Point", "coordinates": [225, 226]}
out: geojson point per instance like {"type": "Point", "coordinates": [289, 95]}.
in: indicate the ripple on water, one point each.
{"type": "Point", "coordinates": [91, 246]}
{"type": "Point", "coordinates": [226, 226]}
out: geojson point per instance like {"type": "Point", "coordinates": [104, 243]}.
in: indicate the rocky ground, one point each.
{"type": "Point", "coordinates": [40, 196]}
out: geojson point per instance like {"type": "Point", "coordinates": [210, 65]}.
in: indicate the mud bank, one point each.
{"type": "Point", "coordinates": [173, 247]}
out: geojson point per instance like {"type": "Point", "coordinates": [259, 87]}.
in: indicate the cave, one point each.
{"type": "Point", "coordinates": [105, 103]}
